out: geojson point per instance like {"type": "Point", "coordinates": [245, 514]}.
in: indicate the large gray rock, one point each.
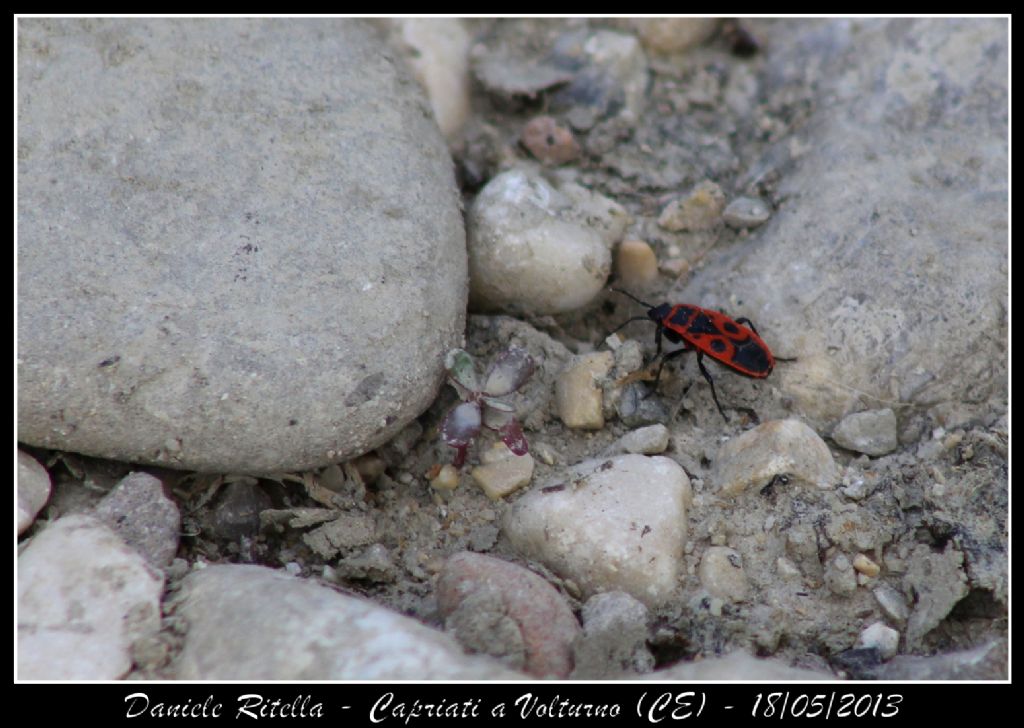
{"type": "Point", "coordinates": [240, 242]}
{"type": "Point", "coordinates": [884, 269]}
{"type": "Point", "coordinates": [254, 623]}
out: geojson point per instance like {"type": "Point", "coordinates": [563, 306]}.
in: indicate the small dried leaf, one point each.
{"type": "Point", "coordinates": [513, 437]}
{"type": "Point", "coordinates": [461, 425]}
{"type": "Point", "coordinates": [509, 371]}
{"type": "Point", "coordinates": [462, 371]}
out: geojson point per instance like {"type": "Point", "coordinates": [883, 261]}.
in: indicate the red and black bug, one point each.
{"type": "Point", "coordinates": [732, 342]}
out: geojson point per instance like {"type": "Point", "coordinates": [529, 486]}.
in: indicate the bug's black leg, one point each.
{"type": "Point", "coordinates": [657, 340]}
{"type": "Point", "coordinates": [707, 375]}
{"type": "Point", "coordinates": [670, 355]}
{"type": "Point", "coordinates": [748, 322]}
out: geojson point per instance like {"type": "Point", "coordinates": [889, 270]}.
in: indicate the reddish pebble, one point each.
{"type": "Point", "coordinates": [545, 620]}
{"type": "Point", "coordinates": [550, 142]}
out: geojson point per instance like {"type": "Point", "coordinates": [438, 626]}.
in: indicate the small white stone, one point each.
{"type": "Point", "coordinates": [880, 637]}
{"type": "Point", "coordinates": [873, 433]}
{"type": "Point", "coordinates": [615, 627]}
{"type": "Point", "coordinates": [502, 471]}
{"type": "Point", "coordinates": [650, 440]}
{"type": "Point", "coordinates": [892, 603]}
{"type": "Point", "coordinates": [745, 212]}
{"type": "Point", "coordinates": [545, 452]}
{"type": "Point", "coordinates": [778, 447]}
{"type": "Point", "coordinates": [437, 51]}
{"type": "Point", "coordinates": [636, 263]}
{"type": "Point", "coordinates": [619, 58]}
{"type": "Point", "coordinates": [447, 478]}
{"type": "Point", "coordinates": [866, 566]}
{"type": "Point", "coordinates": [721, 573]}
{"type": "Point", "coordinates": [738, 666]}
{"type": "Point", "coordinates": [629, 357]}
{"type": "Point", "coordinates": [578, 396]}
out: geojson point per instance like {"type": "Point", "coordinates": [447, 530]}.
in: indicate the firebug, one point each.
{"type": "Point", "coordinates": [734, 343]}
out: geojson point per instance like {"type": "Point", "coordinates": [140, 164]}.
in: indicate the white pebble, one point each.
{"type": "Point", "coordinates": [866, 566]}
{"type": "Point", "coordinates": [502, 471]}
{"type": "Point", "coordinates": [636, 263]}
{"type": "Point", "coordinates": [615, 524]}
{"type": "Point", "coordinates": [775, 448]}
{"type": "Point", "coordinates": [578, 395]}
{"type": "Point", "coordinates": [882, 638]}
{"type": "Point", "coordinates": [786, 569]}
{"type": "Point", "coordinates": [873, 432]}
{"type": "Point", "coordinates": [615, 632]}
{"type": "Point", "coordinates": [721, 573]}
{"type": "Point", "coordinates": [650, 440]}
{"type": "Point", "coordinates": [437, 51]}
{"type": "Point", "coordinates": [535, 247]}
{"type": "Point", "coordinates": [745, 212]}
{"type": "Point", "coordinates": [447, 478]}
{"type": "Point", "coordinates": [738, 666]}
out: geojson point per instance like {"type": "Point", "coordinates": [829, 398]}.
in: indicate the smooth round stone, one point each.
{"type": "Point", "coordinates": [240, 242]}
{"type": "Point", "coordinates": [539, 244]}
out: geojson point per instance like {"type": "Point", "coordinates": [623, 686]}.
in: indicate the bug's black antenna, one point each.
{"type": "Point", "coordinates": [627, 293]}
{"type": "Point", "coordinates": [629, 321]}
